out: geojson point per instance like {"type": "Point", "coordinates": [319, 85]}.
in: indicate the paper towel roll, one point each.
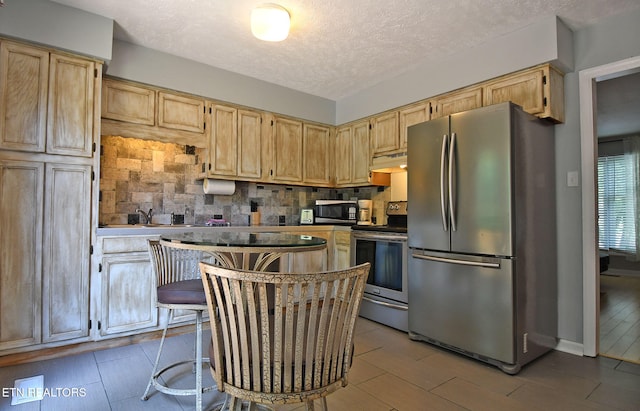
{"type": "Point", "coordinates": [211, 186]}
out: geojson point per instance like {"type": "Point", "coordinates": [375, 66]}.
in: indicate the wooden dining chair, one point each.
{"type": "Point", "coordinates": [281, 338]}
{"type": "Point", "coordinates": [179, 287]}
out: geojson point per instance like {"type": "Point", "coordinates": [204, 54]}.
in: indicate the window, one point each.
{"type": "Point", "coordinates": [616, 203]}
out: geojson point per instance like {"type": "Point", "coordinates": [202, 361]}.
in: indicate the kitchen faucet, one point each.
{"type": "Point", "coordinates": [147, 215]}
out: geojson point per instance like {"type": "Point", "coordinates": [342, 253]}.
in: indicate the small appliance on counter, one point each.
{"type": "Point", "coordinates": [340, 212]}
{"type": "Point", "coordinates": [364, 212]}
{"type": "Point", "coordinates": [306, 216]}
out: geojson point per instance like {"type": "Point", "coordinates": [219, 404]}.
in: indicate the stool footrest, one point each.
{"type": "Point", "coordinates": [178, 391]}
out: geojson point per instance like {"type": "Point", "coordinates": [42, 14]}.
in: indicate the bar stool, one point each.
{"type": "Point", "coordinates": [179, 286]}
{"type": "Point", "coordinates": [282, 339]}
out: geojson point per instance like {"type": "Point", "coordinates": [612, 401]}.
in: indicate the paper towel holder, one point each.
{"type": "Point", "coordinates": [220, 187]}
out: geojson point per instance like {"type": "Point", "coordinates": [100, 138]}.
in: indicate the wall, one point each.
{"type": "Point", "coordinates": [62, 27]}
{"type": "Point", "coordinates": [136, 173]}
{"type": "Point", "coordinates": [612, 39]}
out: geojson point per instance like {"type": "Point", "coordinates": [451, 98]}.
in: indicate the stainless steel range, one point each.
{"type": "Point", "coordinates": [385, 247]}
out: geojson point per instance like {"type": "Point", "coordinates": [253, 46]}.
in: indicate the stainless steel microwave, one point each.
{"type": "Point", "coordinates": [336, 212]}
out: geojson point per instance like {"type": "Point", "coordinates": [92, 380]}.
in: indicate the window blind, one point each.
{"type": "Point", "coordinates": [616, 204]}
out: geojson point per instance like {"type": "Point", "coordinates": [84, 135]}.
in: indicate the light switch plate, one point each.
{"type": "Point", "coordinates": [572, 179]}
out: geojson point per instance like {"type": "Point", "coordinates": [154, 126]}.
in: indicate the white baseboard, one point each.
{"type": "Point", "coordinates": [570, 347]}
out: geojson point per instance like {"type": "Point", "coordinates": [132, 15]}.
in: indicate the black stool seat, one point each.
{"type": "Point", "coordinates": [182, 292]}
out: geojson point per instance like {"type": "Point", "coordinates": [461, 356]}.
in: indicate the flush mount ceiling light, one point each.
{"type": "Point", "coordinates": [270, 22]}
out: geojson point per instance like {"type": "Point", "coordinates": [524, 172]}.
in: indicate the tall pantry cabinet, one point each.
{"type": "Point", "coordinates": [48, 125]}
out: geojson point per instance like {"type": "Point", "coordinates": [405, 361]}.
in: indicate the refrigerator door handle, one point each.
{"type": "Point", "coordinates": [443, 208]}
{"type": "Point", "coordinates": [457, 261]}
{"type": "Point", "coordinates": [452, 163]}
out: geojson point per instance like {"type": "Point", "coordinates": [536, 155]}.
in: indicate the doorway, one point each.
{"type": "Point", "coordinates": [588, 80]}
{"type": "Point", "coordinates": [618, 128]}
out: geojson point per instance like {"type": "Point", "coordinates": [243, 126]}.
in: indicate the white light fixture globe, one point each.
{"type": "Point", "coordinates": [270, 22]}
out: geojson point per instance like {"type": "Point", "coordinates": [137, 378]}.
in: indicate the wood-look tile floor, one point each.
{"type": "Point", "coordinates": [390, 372]}
{"type": "Point", "coordinates": [620, 317]}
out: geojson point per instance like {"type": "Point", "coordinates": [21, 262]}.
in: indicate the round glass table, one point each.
{"type": "Point", "coordinates": [245, 250]}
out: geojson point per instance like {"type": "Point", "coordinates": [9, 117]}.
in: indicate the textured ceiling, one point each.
{"type": "Point", "coordinates": [336, 47]}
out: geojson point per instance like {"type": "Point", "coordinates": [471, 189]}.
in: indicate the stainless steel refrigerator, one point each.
{"type": "Point", "coordinates": [482, 235]}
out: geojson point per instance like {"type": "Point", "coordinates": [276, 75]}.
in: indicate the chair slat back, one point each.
{"type": "Point", "coordinates": [174, 264]}
{"type": "Point", "coordinates": [282, 334]}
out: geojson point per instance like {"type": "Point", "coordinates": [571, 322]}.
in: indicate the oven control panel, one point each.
{"type": "Point", "coordinates": [397, 208]}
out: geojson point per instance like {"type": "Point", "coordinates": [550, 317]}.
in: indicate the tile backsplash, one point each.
{"type": "Point", "coordinates": [145, 174]}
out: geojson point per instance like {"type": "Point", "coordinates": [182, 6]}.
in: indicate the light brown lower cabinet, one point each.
{"type": "Point", "coordinates": [127, 294]}
{"type": "Point", "coordinates": [45, 252]}
{"type": "Point", "coordinates": [127, 288]}
{"type": "Point", "coordinates": [342, 250]}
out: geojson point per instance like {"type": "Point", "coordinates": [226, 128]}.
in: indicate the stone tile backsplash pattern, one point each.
{"type": "Point", "coordinates": [145, 174]}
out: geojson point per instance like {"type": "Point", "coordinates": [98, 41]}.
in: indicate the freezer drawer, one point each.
{"type": "Point", "coordinates": [466, 302]}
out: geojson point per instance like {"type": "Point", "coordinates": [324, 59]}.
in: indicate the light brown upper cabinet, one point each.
{"type": "Point", "coordinates": [411, 115]}
{"type": "Point", "coordinates": [127, 102]}
{"type": "Point", "coordinates": [343, 149]}
{"type": "Point", "coordinates": [316, 143]}
{"type": "Point", "coordinates": [456, 101]}
{"type": "Point", "coordinates": [140, 111]}
{"type": "Point", "coordinates": [46, 101]}
{"type": "Point", "coordinates": [249, 144]}
{"type": "Point", "coordinates": [70, 109]}
{"type": "Point", "coordinates": [236, 143]}
{"type": "Point", "coordinates": [361, 156]}
{"type": "Point", "coordinates": [24, 78]}
{"type": "Point", "coordinates": [539, 90]}
{"type": "Point", "coordinates": [385, 133]}
{"type": "Point", "coordinates": [223, 151]}
{"type": "Point", "coordinates": [352, 158]}
{"type": "Point", "coordinates": [287, 153]}
{"type": "Point", "coordinates": [180, 112]}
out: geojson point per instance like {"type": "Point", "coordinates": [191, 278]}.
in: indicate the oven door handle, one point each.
{"type": "Point", "coordinates": [385, 304]}
{"type": "Point", "coordinates": [396, 238]}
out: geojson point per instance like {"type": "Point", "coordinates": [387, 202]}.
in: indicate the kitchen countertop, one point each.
{"type": "Point", "coordinates": [126, 230]}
